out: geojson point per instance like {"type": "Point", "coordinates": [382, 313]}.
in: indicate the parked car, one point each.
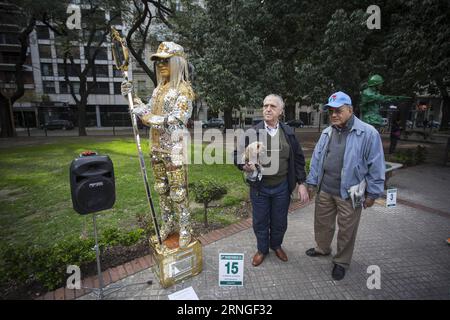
{"type": "Point", "coordinates": [58, 124]}
{"type": "Point", "coordinates": [428, 124]}
{"type": "Point", "coordinates": [434, 124]}
{"type": "Point", "coordinates": [214, 123]}
{"type": "Point", "coordinates": [295, 123]}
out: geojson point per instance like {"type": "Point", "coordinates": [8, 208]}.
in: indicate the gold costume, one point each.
{"type": "Point", "coordinates": [167, 113]}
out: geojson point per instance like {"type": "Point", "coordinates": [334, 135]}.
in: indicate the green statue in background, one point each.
{"type": "Point", "coordinates": [371, 100]}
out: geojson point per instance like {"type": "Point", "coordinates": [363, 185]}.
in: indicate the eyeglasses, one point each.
{"type": "Point", "coordinates": [162, 61]}
{"type": "Point", "coordinates": [338, 111]}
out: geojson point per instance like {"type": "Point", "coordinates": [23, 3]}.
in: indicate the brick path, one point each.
{"type": "Point", "coordinates": [406, 242]}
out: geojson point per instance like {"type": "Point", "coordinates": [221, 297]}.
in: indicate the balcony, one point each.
{"type": "Point", "coordinates": [10, 47]}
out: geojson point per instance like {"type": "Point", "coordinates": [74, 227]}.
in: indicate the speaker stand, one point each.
{"type": "Point", "coordinates": [100, 292]}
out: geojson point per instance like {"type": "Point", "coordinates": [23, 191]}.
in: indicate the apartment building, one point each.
{"type": "Point", "coordinates": [105, 107]}
{"type": "Point", "coordinates": [47, 94]}
{"type": "Point", "coordinates": [9, 55]}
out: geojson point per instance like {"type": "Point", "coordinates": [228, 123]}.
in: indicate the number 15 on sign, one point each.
{"type": "Point", "coordinates": [231, 269]}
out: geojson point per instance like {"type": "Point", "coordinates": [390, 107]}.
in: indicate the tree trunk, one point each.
{"type": "Point", "coordinates": [403, 110]}
{"type": "Point", "coordinates": [445, 108]}
{"type": "Point", "coordinates": [205, 215]}
{"type": "Point", "coordinates": [6, 109]}
{"type": "Point", "coordinates": [5, 119]}
{"type": "Point", "coordinates": [289, 112]}
{"type": "Point", "coordinates": [194, 111]}
{"type": "Point", "coordinates": [82, 117]}
{"type": "Point", "coordinates": [199, 107]}
{"type": "Point", "coordinates": [228, 118]}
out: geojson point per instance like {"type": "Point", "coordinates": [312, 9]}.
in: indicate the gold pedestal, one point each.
{"type": "Point", "coordinates": [174, 264]}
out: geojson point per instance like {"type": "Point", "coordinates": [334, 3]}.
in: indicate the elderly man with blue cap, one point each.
{"type": "Point", "coordinates": [347, 172]}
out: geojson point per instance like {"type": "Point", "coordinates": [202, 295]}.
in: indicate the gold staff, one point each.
{"type": "Point", "coordinates": [121, 58]}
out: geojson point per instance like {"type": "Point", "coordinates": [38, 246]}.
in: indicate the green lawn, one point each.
{"type": "Point", "coordinates": [35, 201]}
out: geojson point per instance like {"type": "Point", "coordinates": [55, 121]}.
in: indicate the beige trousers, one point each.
{"type": "Point", "coordinates": [328, 207]}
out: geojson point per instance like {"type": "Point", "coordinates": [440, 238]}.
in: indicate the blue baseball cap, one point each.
{"type": "Point", "coordinates": [337, 100]}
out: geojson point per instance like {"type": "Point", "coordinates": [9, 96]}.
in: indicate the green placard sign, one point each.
{"type": "Point", "coordinates": [231, 269]}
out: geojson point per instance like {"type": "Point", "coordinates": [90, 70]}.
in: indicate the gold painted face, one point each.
{"type": "Point", "coordinates": [163, 66]}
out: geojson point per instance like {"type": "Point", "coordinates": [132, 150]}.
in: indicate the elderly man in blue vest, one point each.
{"type": "Point", "coordinates": [347, 172]}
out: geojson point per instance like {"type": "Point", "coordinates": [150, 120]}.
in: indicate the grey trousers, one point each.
{"type": "Point", "coordinates": [328, 208]}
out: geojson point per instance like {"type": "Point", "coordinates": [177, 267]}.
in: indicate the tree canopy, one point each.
{"type": "Point", "coordinates": [304, 50]}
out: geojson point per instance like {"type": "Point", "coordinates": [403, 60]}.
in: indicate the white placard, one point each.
{"type": "Point", "coordinates": [185, 294]}
{"type": "Point", "coordinates": [391, 198]}
{"type": "Point", "coordinates": [231, 269]}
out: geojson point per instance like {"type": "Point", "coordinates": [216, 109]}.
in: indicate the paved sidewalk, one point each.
{"type": "Point", "coordinates": [428, 185]}
{"type": "Point", "coordinates": [407, 244]}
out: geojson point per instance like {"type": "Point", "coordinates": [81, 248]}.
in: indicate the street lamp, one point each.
{"type": "Point", "coordinates": [8, 90]}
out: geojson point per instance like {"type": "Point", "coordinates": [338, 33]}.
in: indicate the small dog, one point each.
{"type": "Point", "coordinates": [252, 155]}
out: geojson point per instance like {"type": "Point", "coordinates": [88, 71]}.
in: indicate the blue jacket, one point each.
{"type": "Point", "coordinates": [363, 159]}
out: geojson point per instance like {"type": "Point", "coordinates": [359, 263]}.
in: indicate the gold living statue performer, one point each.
{"type": "Point", "coordinates": [168, 110]}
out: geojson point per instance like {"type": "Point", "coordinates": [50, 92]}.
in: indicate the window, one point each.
{"type": "Point", "coordinates": [98, 35]}
{"type": "Point", "coordinates": [60, 52]}
{"type": "Point", "coordinates": [141, 87]}
{"type": "Point", "coordinates": [73, 35]}
{"type": "Point", "coordinates": [102, 53]}
{"type": "Point", "coordinates": [9, 57]}
{"type": "Point", "coordinates": [96, 17]}
{"type": "Point", "coordinates": [117, 89]}
{"type": "Point", "coordinates": [49, 86]}
{"type": "Point", "coordinates": [100, 87]}
{"type": "Point", "coordinates": [42, 32]}
{"type": "Point", "coordinates": [100, 70]}
{"type": "Point", "coordinates": [8, 77]}
{"type": "Point", "coordinates": [74, 51]}
{"type": "Point", "coordinates": [65, 88]}
{"type": "Point", "coordinates": [115, 17]}
{"type": "Point", "coordinates": [99, 17]}
{"type": "Point", "coordinates": [72, 69]}
{"type": "Point", "coordinates": [28, 77]}
{"type": "Point", "coordinates": [46, 69]}
{"type": "Point", "coordinates": [117, 73]}
{"type": "Point", "coordinates": [45, 51]}
{"type": "Point", "coordinates": [9, 38]}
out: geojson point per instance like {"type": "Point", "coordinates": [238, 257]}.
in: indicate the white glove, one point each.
{"type": "Point", "coordinates": [126, 87]}
{"type": "Point", "coordinates": [139, 108]}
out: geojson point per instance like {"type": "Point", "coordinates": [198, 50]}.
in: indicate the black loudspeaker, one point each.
{"type": "Point", "coordinates": [92, 183]}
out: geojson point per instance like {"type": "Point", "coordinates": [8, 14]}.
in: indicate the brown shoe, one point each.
{"type": "Point", "coordinates": [281, 254]}
{"type": "Point", "coordinates": [258, 258]}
